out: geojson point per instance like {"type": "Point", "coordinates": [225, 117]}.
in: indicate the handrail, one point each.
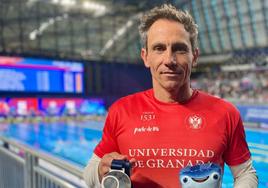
{"type": "Point", "coordinates": [58, 180]}
{"type": "Point", "coordinates": [13, 156]}
{"type": "Point", "coordinates": [68, 166]}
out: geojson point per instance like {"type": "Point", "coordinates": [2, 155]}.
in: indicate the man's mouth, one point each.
{"type": "Point", "coordinates": [171, 73]}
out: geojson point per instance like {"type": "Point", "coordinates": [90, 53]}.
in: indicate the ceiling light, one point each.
{"type": "Point", "coordinates": [97, 8]}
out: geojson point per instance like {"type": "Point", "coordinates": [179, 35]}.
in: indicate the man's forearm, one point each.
{"type": "Point", "coordinates": [245, 175]}
{"type": "Point", "coordinates": [91, 174]}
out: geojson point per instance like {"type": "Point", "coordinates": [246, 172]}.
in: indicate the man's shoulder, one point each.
{"type": "Point", "coordinates": [216, 101]}
{"type": "Point", "coordinates": [132, 98]}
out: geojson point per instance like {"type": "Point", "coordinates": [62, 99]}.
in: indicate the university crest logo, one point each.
{"type": "Point", "coordinates": [195, 121]}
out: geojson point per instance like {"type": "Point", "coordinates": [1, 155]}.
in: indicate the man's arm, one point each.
{"type": "Point", "coordinates": [244, 175]}
{"type": "Point", "coordinates": [97, 167]}
{"type": "Point", "coordinates": [91, 173]}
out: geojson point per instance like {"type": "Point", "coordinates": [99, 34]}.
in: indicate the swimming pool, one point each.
{"type": "Point", "coordinates": [66, 140]}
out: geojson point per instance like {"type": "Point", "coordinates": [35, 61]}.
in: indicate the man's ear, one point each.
{"type": "Point", "coordinates": [196, 55]}
{"type": "Point", "coordinates": [144, 57]}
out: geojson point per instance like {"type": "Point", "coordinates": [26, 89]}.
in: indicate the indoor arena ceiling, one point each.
{"type": "Point", "coordinates": [107, 29]}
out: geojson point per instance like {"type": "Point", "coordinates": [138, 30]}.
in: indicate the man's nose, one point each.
{"type": "Point", "coordinates": [169, 58]}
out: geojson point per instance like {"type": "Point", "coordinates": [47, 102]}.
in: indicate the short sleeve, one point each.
{"type": "Point", "coordinates": [108, 142]}
{"type": "Point", "coordinates": [237, 151]}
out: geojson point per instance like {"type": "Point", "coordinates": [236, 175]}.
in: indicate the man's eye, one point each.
{"type": "Point", "coordinates": [180, 49]}
{"type": "Point", "coordinates": [159, 48]}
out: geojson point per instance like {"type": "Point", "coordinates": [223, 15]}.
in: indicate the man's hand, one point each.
{"type": "Point", "coordinates": [106, 162]}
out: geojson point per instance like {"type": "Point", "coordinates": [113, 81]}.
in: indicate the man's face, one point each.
{"type": "Point", "coordinates": [169, 55]}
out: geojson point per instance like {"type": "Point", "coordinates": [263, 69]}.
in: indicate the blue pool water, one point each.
{"type": "Point", "coordinates": [258, 145]}
{"type": "Point", "coordinates": [68, 140]}
{"type": "Point", "coordinates": [60, 139]}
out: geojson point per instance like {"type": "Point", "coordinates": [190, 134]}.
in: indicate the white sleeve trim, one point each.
{"type": "Point", "coordinates": [91, 172]}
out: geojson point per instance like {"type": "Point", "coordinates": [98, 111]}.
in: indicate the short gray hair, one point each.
{"type": "Point", "coordinates": [167, 11]}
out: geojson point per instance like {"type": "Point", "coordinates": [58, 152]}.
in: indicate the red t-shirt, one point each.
{"type": "Point", "coordinates": [165, 137]}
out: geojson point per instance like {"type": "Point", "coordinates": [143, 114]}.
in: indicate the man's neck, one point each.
{"type": "Point", "coordinates": [179, 95]}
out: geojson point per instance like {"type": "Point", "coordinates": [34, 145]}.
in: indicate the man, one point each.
{"type": "Point", "coordinates": [171, 126]}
